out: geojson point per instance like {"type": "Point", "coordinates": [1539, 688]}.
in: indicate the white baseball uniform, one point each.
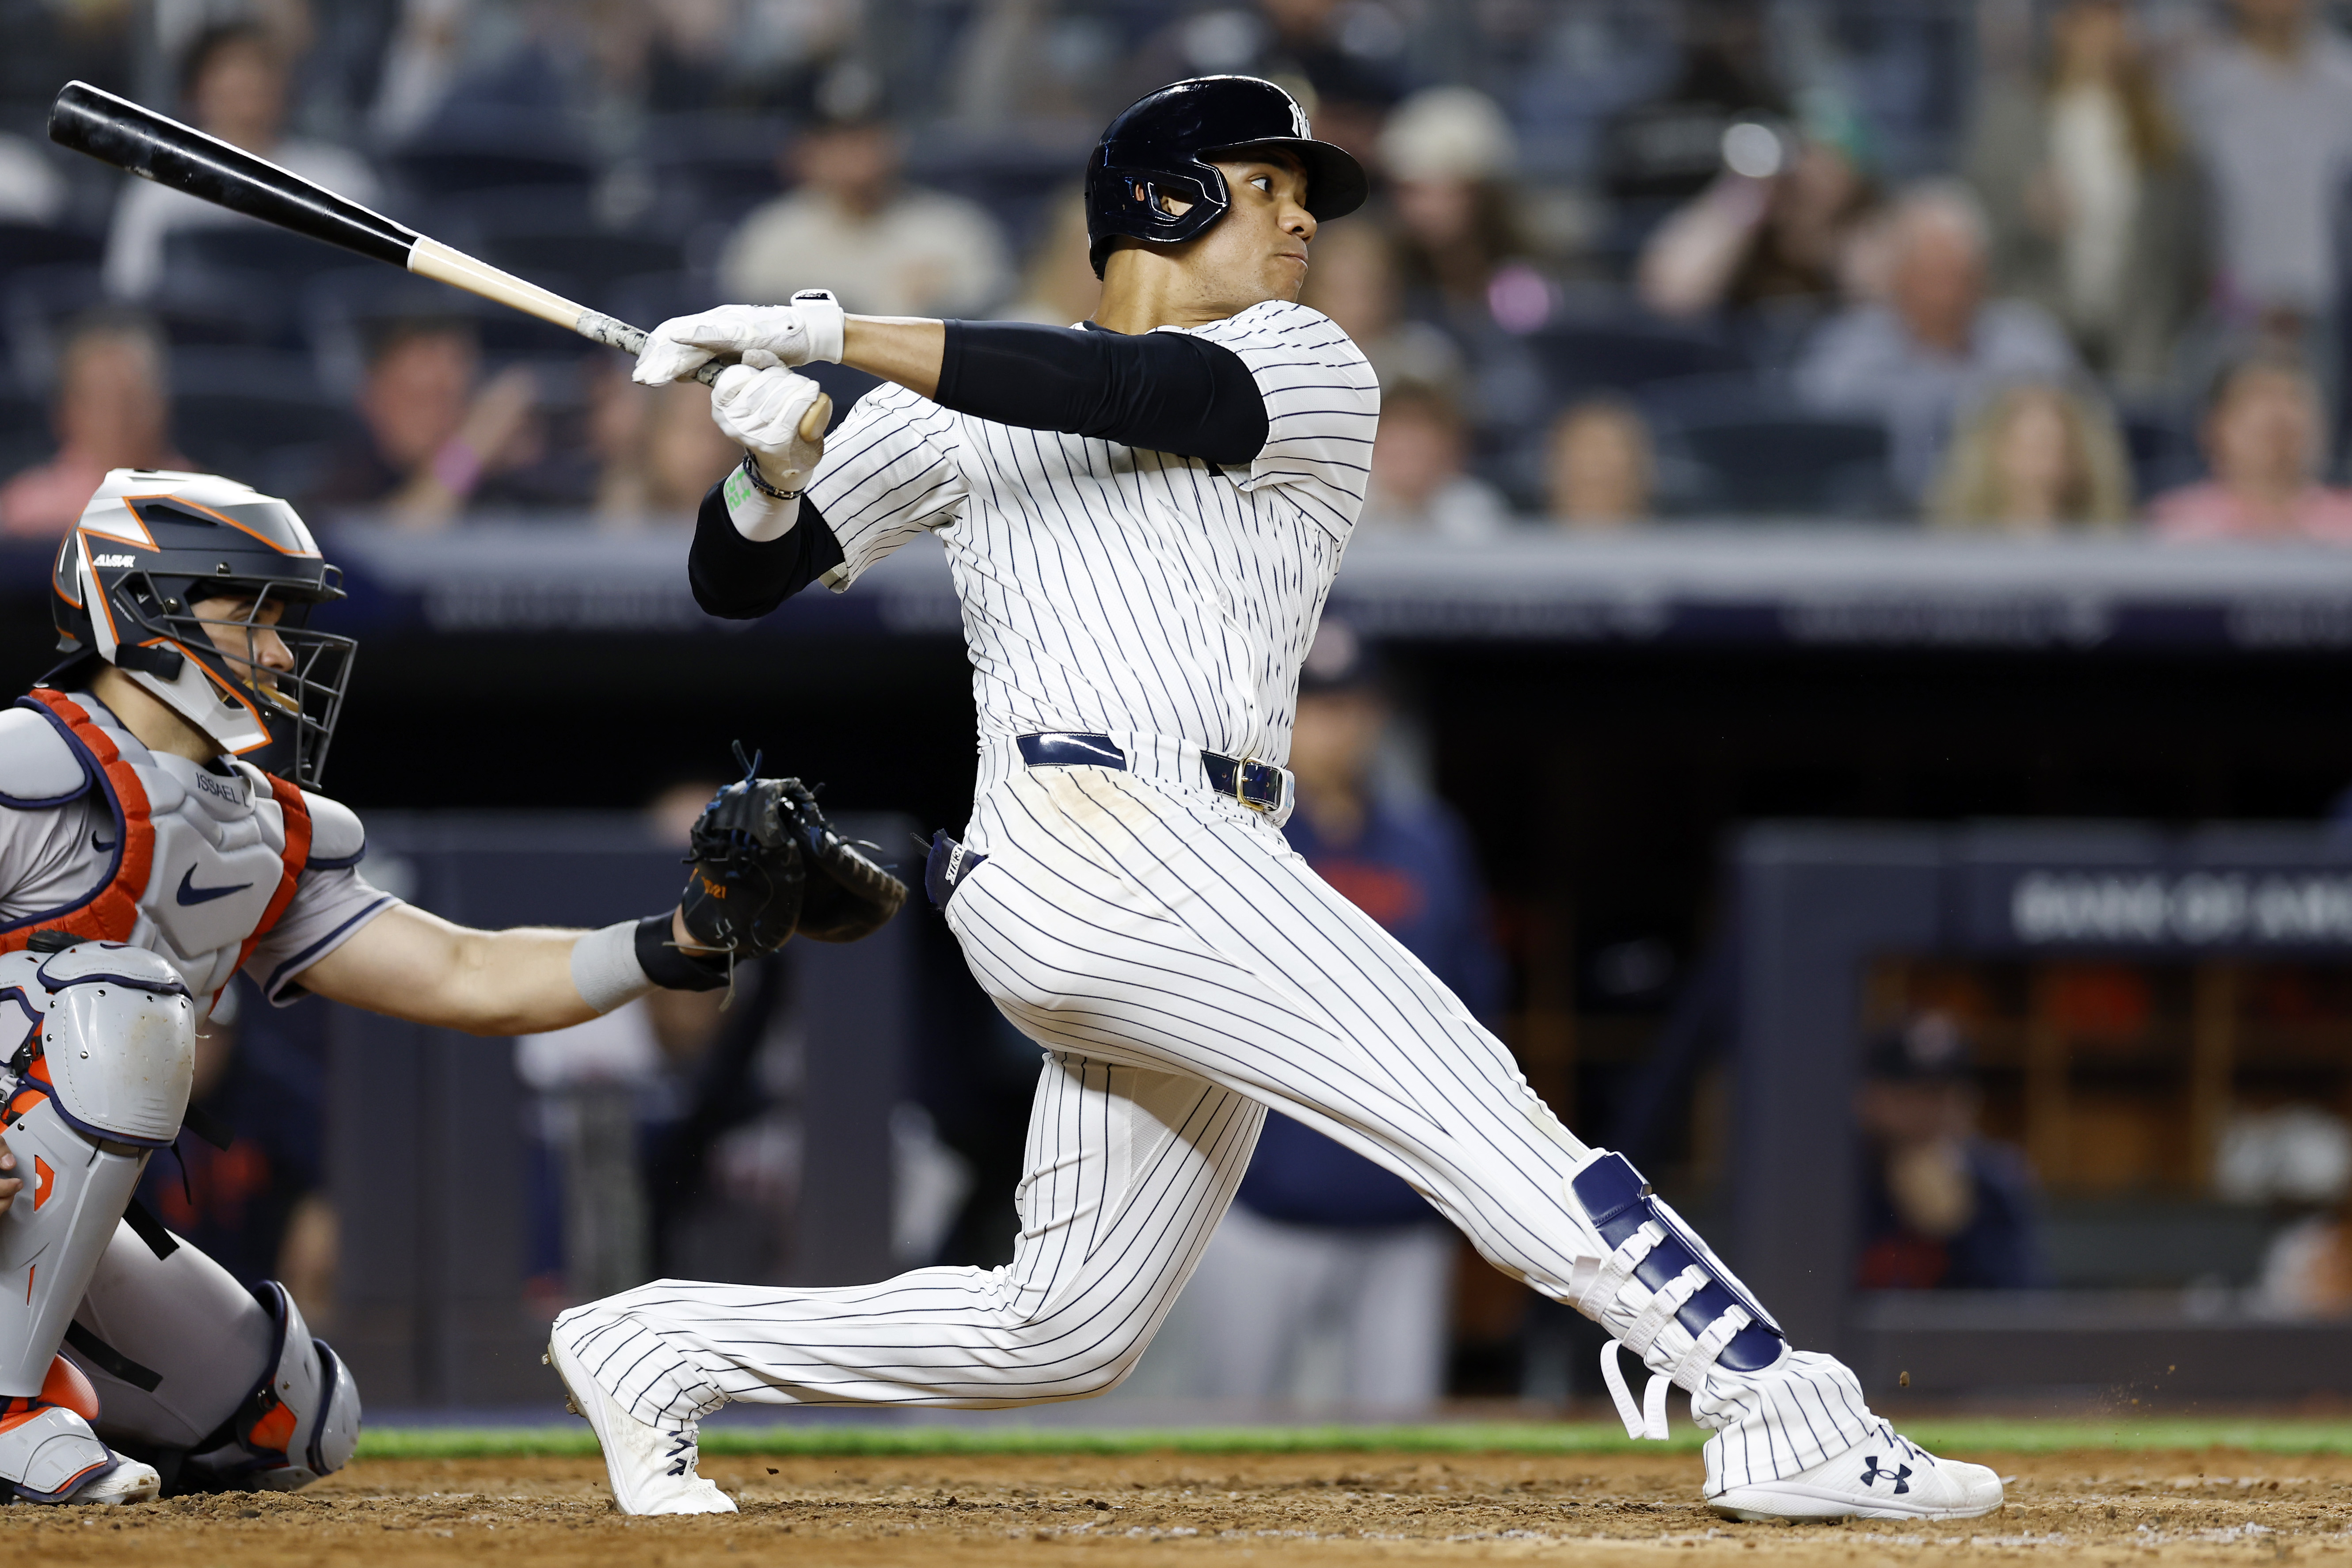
{"type": "Point", "coordinates": [1181, 965]}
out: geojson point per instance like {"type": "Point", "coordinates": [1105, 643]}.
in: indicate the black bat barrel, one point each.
{"type": "Point", "coordinates": [118, 131]}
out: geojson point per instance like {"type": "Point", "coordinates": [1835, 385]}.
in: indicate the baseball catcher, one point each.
{"type": "Point", "coordinates": [1144, 514]}
{"type": "Point", "coordinates": [146, 856]}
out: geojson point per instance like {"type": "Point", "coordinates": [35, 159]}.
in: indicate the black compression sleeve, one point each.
{"type": "Point", "coordinates": [1164, 392]}
{"type": "Point", "coordinates": [740, 580]}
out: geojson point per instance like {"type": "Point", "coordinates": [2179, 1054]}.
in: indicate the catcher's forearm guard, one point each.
{"type": "Point", "coordinates": [766, 863]}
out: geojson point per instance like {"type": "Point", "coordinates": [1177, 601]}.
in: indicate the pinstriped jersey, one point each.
{"type": "Point", "coordinates": [1108, 588]}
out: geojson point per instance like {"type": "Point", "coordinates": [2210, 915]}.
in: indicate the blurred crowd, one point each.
{"type": "Point", "coordinates": [2010, 266]}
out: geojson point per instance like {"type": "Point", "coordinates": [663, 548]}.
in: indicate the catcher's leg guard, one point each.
{"type": "Point", "coordinates": [99, 1083]}
{"type": "Point", "coordinates": [173, 1345]}
{"type": "Point", "coordinates": [220, 1386]}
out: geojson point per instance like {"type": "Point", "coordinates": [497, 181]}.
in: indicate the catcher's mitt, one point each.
{"type": "Point", "coordinates": [848, 893]}
{"type": "Point", "coordinates": [743, 897]}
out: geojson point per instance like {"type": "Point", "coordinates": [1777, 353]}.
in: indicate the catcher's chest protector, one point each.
{"type": "Point", "coordinates": [196, 867]}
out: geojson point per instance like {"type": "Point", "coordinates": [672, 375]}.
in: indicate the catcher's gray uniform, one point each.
{"type": "Point", "coordinates": [209, 869]}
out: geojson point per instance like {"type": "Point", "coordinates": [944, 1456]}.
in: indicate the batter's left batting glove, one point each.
{"type": "Point", "coordinates": [808, 329]}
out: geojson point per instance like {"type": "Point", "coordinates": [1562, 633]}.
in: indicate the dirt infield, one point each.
{"type": "Point", "coordinates": [2210, 1505]}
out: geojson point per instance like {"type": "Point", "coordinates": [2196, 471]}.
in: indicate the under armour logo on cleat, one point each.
{"type": "Point", "coordinates": [1900, 1475]}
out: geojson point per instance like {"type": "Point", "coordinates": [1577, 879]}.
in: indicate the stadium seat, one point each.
{"type": "Point", "coordinates": [254, 415]}
{"type": "Point", "coordinates": [2162, 447]}
{"type": "Point", "coordinates": [37, 305]}
{"type": "Point", "coordinates": [25, 434]}
{"type": "Point", "coordinates": [553, 238]}
{"type": "Point", "coordinates": [454, 162]}
{"type": "Point", "coordinates": [1579, 357]}
{"type": "Point", "coordinates": [24, 245]}
{"type": "Point", "coordinates": [712, 168]}
{"type": "Point", "coordinates": [1752, 450]}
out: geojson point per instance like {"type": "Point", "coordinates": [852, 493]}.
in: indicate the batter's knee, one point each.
{"type": "Point", "coordinates": [1058, 1368]}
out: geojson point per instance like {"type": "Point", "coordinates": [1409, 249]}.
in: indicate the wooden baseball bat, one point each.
{"type": "Point", "coordinates": [115, 131]}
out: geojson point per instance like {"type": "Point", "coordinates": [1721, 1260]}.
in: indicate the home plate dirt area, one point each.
{"type": "Point", "coordinates": [2189, 1505]}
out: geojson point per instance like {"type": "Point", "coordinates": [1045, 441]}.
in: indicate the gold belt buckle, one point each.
{"type": "Point", "coordinates": [1241, 766]}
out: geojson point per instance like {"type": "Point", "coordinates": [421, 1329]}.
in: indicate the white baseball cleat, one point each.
{"type": "Point", "coordinates": [1886, 1477]}
{"type": "Point", "coordinates": [49, 1454]}
{"type": "Point", "coordinates": [652, 1467]}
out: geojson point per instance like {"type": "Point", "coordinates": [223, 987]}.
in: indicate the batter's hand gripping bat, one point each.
{"type": "Point", "coordinates": [118, 131]}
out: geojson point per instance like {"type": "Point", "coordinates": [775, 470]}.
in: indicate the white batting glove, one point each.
{"type": "Point", "coordinates": [761, 410]}
{"type": "Point", "coordinates": [808, 329]}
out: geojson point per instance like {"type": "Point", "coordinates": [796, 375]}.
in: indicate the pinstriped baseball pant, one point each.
{"type": "Point", "coordinates": [1183, 967]}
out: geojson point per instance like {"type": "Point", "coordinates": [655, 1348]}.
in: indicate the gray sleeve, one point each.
{"type": "Point", "coordinates": [330, 907]}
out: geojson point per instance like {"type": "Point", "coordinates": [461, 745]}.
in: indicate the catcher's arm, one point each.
{"type": "Point", "coordinates": [411, 964]}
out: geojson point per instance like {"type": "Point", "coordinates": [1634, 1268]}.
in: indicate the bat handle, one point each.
{"type": "Point", "coordinates": [631, 340]}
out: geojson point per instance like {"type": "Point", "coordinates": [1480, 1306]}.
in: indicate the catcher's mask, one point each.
{"type": "Point", "coordinates": [200, 588]}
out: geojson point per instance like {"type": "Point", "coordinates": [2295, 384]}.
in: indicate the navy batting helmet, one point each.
{"type": "Point", "coordinates": [1161, 144]}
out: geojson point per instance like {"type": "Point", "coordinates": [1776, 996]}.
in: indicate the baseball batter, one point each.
{"type": "Point", "coordinates": [142, 864]}
{"type": "Point", "coordinates": [1143, 514]}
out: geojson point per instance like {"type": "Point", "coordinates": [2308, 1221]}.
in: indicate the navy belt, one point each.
{"type": "Point", "coordinates": [1257, 785]}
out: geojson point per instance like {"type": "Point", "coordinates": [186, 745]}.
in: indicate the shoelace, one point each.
{"type": "Point", "coordinates": [681, 1450]}
{"type": "Point", "coordinates": [1909, 1446]}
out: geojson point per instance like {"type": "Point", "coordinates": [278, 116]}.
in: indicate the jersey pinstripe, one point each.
{"type": "Point", "coordinates": [1110, 589]}
{"type": "Point", "coordinates": [1180, 965]}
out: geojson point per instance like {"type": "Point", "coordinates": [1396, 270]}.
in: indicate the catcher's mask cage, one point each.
{"type": "Point", "coordinates": [164, 568]}
{"type": "Point", "coordinates": [1160, 146]}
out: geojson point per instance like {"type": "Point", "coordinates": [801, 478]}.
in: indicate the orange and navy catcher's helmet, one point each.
{"type": "Point", "coordinates": [145, 580]}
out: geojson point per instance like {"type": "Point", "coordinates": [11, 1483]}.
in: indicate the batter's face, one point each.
{"type": "Point", "coordinates": [1257, 250]}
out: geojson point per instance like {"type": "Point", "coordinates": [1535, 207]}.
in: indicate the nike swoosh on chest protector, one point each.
{"type": "Point", "coordinates": [190, 893]}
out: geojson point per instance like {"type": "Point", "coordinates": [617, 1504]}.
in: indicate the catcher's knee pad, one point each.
{"type": "Point", "coordinates": [300, 1422]}
{"type": "Point", "coordinates": [97, 1080]}
{"type": "Point", "coordinates": [1662, 1294]}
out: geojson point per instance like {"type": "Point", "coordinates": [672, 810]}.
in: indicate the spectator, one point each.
{"type": "Point", "coordinates": [112, 411]}
{"type": "Point", "coordinates": [658, 449]}
{"type": "Point", "coordinates": [431, 441]}
{"type": "Point", "coordinates": [257, 1206]}
{"type": "Point", "coordinates": [1771, 232]}
{"type": "Point", "coordinates": [1600, 469]}
{"type": "Point", "coordinates": [2271, 113]}
{"type": "Point", "coordinates": [1320, 1242]}
{"type": "Point", "coordinates": [1419, 485]}
{"type": "Point", "coordinates": [1448, 153]}
{"type": "Point", "coordinates": [886, 248]}
{"type": "Point", "coordinates": [1352, 279]}
{"type": "Point", "coordinates": [2035, 459]}
{"type": "Point", "coordinates": [1058, 287]}
{"type": "Point", "coordinates": [2264, 450]}
{"type": "Point", "coordinates": [1943, 1206]}
{"type": "Point", "coordinates": [233, 82]}
{"type": "Point", "coordinates": [31, 189]}
{"type": "Point", "coordinates": [2095, 210]}
{"type": "Point", "coordinates": [1937, 345]}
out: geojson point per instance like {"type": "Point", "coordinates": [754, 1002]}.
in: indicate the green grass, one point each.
{"type": "Point", "coordinates": [1953, 1437]}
